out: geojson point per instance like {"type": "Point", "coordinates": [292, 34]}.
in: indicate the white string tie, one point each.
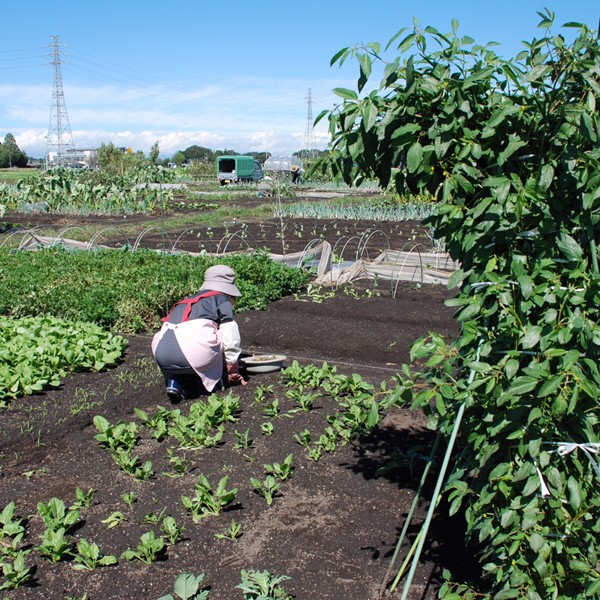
{"type": "Point", "coordinates": [545, 491]}
{"type": "Point", "coordinates": [564, 448]}
{"type": "Point", "coordinates": [588, 448]}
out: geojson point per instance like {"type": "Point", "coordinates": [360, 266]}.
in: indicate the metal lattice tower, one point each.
{"type": "Point", "coordinates": [309, 135]}
{"type": "Point", "coordinates": [60, 138]}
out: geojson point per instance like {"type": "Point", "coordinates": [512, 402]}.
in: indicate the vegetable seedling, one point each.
{"type": "Point", "coordinates": [262, 585]}
{"type": "Point", "coordinates": [148, 550]}
{"type": "Point", "coordinates": [171, 530]}
{"type": "Point", "coordinates": [267, 488]}
{"type": "Point", "coordinates": [243, 440]}
{"type": "Point", "coordinates": [267, 428]}
{"type": "Point", "coordinates": [282, 470]}
{"type": "Point", "coordinates": [88, 556]}
{"type": "Point", "coordinates": [83, 499]}
{"type": "Point", "coordinates": [114, 519]}
{"type": "Point", "coordinates": [56, 516]}
{"type": "Point", "coordinates": [130, 498]}
{"type": "Point", "coordinates": [56, 545]}
{"type": "Point", "coordinates": [16, 573]}
{"type": "Point", "coordinates": [233, 532]}
{"type": "Point", "coordinates": [208, 502]}
{"type": "Point", "coordinates": [187, 587]}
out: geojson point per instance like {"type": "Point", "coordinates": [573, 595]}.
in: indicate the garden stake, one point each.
{"type": "Point", "coordinates": [593, 252]}
{"type": "Point", "coordinates": [281, 220]}
{"type": "Point", "coordinates": [409, 519]}
{"type": "Point", "coordinates": [436, 494]}
{"type": "Point", "coordinates": [406, 561]}
{"type": "Point", "coordinates": [166, 271]}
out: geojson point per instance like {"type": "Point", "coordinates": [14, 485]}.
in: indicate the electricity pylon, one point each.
{"type": "Point", "coordinates": [60, 138]}
{"type": "Point", "coordinates": [309, 135]}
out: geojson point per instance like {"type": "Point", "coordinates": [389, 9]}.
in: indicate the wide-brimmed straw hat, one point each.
{"type": "Point", "coordinates": [220, 278]}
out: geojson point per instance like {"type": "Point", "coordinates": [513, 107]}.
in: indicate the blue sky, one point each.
{"type": "Point", "coordinates": [192, 72]}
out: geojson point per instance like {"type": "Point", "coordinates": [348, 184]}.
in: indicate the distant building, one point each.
{"type": "Point", "coordinates": [76, 158]}
{"type": "Point", "coordinates": [282, 163]}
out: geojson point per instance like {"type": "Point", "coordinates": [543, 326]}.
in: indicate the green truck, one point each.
{"type": "Point", "coordinates": [238, 169]}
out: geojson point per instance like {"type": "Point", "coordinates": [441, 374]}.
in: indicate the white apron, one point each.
{"type": "Point", "coordinates": [201, 344]}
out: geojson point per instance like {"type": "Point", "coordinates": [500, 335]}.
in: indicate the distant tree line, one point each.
{"type": "Point", "coordinates": [206, 155]}
{"type": "Point", "coordinates": [10, 154]}
{"type": "Point", "coordinates": [119, 160]}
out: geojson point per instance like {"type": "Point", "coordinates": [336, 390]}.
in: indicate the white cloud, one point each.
{"type": "Point", "coordinates": [33, 142]}
{"type": "Point", "coordinates": [267, 115]}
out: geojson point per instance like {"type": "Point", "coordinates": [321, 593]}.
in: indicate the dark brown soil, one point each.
{"type": "Point", "coordinates": [332, 527]}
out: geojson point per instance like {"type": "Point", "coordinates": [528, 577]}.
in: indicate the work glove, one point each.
{"type": "Point", "coordinates": [233, 375]}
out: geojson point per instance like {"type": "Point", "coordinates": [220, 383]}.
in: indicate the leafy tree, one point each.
{"type": "Point", "coordinates": [112, 159]}
{"type": "Point", "coordinates": [179, 158]}
{"type": "Point", "coordinates": [226, 152]}
{"type": "Point", "coordinates": [510, 148]}
{"type": "Point", "coordinates": [154, 153]}
{"type": "Point", "coordinates": [198, 153]}
{"type": "Point", "coordinates": [116, 161]}
{"type": "Point", "coordinates": [261, 157]}
{"type": "Point", "coordinates": [10, 154]}
{"type": "Point", "coordinates": [311, 154]}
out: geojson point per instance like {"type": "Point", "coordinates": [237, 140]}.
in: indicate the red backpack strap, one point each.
{"type": "Point", "coordinates": [189, 302]}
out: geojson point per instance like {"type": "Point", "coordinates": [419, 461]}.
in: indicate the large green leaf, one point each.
{"type": "Point", "coordinates": [187, 585]}
{"type": "Point", "coordinates": [550, 385]}
{"type": "Point", "coordinates": [409, 128]}
{"type": "Point", "coordinates": [513, 145]}
{"type": "Point", "coordinates": [365, 69]}
{"type": "Point", "coordinates": [523, 385]}
{"type": "Point", "coordinates": [414, 157]}
{"type": "Point", "coordinates": [531, 338]}
{"type": "Point", "coordinates": [345, 93]}
{"type": "Point", "coordinates": [369, 115]}
{"type": "Point", "coordinates": [569, 247]}
{"type": "Point", "coordinates": [574, 493]}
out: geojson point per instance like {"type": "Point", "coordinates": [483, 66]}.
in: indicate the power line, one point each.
{"type": "Point", "coordinates": [111, 67]}
{"type": "Point", "coordinates": [32, 54]}
{"type": "Point", "coordinates": [140, 89]}
{"type": "Point", "coordinates": [36, 48]}
{"type": "Point", "coordinates": [24, 66]}
{"type": "Point", "coordinates": [85, 65]}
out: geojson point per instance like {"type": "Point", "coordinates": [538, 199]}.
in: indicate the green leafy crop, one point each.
{"type": "Point", "coordinates": [127, 291]}
{"type": "Point", "coordinates": [207, 501]}
{"type": "Point", "coordinates": [37, 352]}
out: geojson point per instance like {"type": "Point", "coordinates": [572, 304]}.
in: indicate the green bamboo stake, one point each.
{"type": "Point", "coordinates": [437, 491]}
{"type": "Point", "coordinates": [408, 556]}
{"type": "Point", "coordinates": [593, 249]}
{"type": "Point", "coordinates": [409, 519]}
{"type": "Point", "coordinates": [436, 496]}
{"type": "Point", "coordinates": [164, 246]}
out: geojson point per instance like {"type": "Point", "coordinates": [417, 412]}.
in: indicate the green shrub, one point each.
{"type": "Point", "coordinates": [510, 150]}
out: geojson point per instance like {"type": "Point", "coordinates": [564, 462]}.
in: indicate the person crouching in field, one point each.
{"type": "Point", "coordinates": [198, 345]}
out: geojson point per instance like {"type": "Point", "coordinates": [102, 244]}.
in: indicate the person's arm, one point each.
{"type": "Point", "coordinates": [232, 341]}
{"type": "Point", "coordinates": [232, 347]}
